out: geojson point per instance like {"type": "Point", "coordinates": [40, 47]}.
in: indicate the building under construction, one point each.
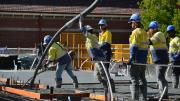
{"type": "Point", "coordinates": [24, 23]}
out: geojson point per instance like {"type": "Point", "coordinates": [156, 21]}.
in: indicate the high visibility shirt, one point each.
{"type": "Point", "coordinates": [159, 48]}
{"type": "Point", "coordinates": [105, 37]}
{"type": "Point", "coordinates": [138, 45]}
{"type": "Point", "coordinates": [174, 49]}
{"type": "Point", "coordinates": [56, 51]}
{"type": "Point", "coordinates": [105, 40]}
{"type": "Point", "coordinates": [159, 41]}
{"type": "Point", "coordinates": [91, 41]}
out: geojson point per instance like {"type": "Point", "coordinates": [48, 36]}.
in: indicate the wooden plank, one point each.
{"type": "Point", "coordinates": [97, 97]}
{"type": "Point", "coordinates": [4, 80]}
{"type": "Point", "coordinates": [20, 92]}
{"type": "Point", "coordinates": [41, 96]}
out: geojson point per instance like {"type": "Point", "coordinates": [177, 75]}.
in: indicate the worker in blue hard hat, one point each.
{"type": "Point", "coordinates": [105, 41]}
{"type": "Point", "coordinates": [57, 53]}
{"type": "Point", "coordinates": [174, 54]}
{"type": "Point", "coordinates": [138, 41]}
{"type": "Point", "coordinates": [159, 51]}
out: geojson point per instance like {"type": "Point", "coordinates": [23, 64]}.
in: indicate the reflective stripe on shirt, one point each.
{"type": "Point", "coordinates": [174, 49]}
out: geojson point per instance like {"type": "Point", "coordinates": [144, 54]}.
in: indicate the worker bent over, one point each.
{"type": "Point", "coordinates": [174, 54]}
{"type": "Point", "coordinates": [57, 53]}
{"type": "Point", "coordinates": [138, 54]}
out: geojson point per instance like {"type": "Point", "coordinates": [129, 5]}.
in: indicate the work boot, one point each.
{"type": "Point", "coordinates": [106, 94]}
{"type": "Point", "coordinates": [134, 92]}
{"type": "Point", "coordinates": [75, 82]}
{"type": "Point", "coordinates": [103, 83]}
{"type": "Point", "coordinates": [175, 81]}
{"type": "Point", "coordinates": [112, 85]}
{"type": "Point", "coordinates": [58, 83]}
{"type": "Point", "coordinates": [143, 89]}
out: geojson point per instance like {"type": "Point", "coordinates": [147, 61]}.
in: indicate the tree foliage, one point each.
{"type": "Point", "coordinates": [163, 11]}
{"type": "Point", "coordinates": [176, 20]}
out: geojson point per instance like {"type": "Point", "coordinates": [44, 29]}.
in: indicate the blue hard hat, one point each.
{"type": "Point", "coordinates": [170, 28]}
{"type": "Point", "coordinates": [47, 39]}
{"type": "Point", "coordinates": [102, 22]}
{"type": "Point", "coordinates": [153, 25]}
{"type": "Point", "coordinates": [135, 18]}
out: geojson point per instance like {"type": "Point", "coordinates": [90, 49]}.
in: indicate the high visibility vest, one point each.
{"type": "Point", "coordinates": [91, 41]}
{"type": "Point", "coordinates": [158, 48]}
{"type": "Point", "coordinates": [174, 49]}
{"type": "Point", "coordinates": [138, 41]}
{"type": "Point", "coordinates": [56, 51]}
{"type": "Point", "coordinates": [105, 37]}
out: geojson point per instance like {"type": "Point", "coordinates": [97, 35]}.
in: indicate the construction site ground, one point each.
{"type": "Point", "coordinates": [88, 83]}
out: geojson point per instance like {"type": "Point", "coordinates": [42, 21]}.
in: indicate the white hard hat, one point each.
{"type": "Point", "coordinates": [102, 22]}
{"type": "Point", "coordinates": [88, 27]}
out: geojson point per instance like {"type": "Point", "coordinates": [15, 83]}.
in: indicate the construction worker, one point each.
{"type": "Point", "coordinates": [57, 53]}
{"type": "Point", "coordinates": [174, 54]}
{"type": "Point", "coordinates": [105, 40]}
{"type": "Point", "coordinates": [159, 51]}
{"type": "Point", "coordinates": [138, 54]}
{"type": "Point", "coordinates": [95, 53]}
{"type": "Point", "coordinates": [92, 45]}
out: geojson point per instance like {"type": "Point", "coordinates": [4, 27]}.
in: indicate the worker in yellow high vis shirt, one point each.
{"type": "Point", "coordinates": [138, 54]}
{"type": "Point", "coordinates": [57, 53]}
{"type": "Point", "coordinates": [92, 45]}
{"type": "Point", "coordinates": [105, 40]}
{"type": "Point", "coordinates": [159, 51]}
{"type": "Point", "coordinates": [174, 54]}
{"type": "Point", "coordinates": [95, 53]}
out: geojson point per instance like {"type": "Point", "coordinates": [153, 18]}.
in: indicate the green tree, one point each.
{"type": "Point", "coordinates": [176, 20]}
{"type": "Point", "coordinates": [158, 10]}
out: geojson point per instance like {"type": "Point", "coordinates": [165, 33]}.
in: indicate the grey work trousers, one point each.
{"type": "Point", "coordinates": [175, 75]}
{"type": "Point", "coordinates": [162, 82]}
{"type": "Point", "coordinates": [138, 82]}
{"type": "Point", "coordinates": [101, 76]}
